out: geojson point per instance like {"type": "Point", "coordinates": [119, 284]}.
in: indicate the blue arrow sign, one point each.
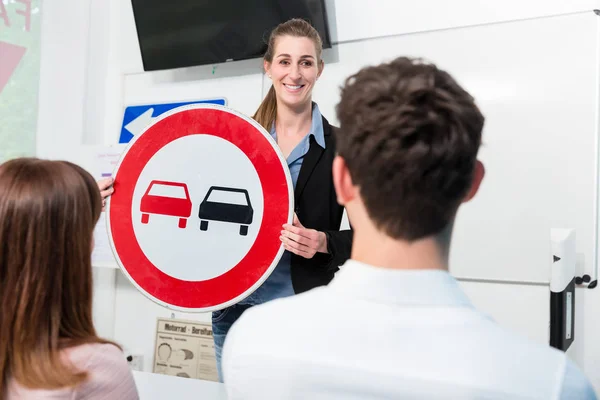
{"type": "Point", "coordinates": [137, 118]}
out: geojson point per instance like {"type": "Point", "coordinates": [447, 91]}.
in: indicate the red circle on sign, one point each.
{"type": "Point", "coordinates": [252, 270]}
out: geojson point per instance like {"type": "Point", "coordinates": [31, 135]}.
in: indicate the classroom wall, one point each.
{"type": "Point", "coordinates": [91, 69]}
{"type": "Point", "coordinates": [63, 78]}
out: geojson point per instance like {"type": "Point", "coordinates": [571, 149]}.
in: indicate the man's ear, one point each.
{"type": "Point", "coordinates": [344, 187]}
{"type": "Point", "coordinates": [478, 175]}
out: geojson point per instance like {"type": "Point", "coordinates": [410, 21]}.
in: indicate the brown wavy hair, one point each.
{"type": "Point", "coordinates": [267, 111]}
{"type": "Point", "coordinates": [48, 211]}
{"type": "Point", "coordinates": [409, 134]}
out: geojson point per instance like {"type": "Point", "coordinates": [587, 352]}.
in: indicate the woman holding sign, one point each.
{"type": "Point", "coordinates": [315, 246]}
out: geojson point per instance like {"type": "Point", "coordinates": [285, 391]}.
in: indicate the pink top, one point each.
{"type": "Point", "coordinates": [109, 377]}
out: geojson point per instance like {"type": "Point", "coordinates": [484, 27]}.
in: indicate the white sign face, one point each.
{"type": "Point", "coordinates": [200, 199]}
{"type": "Point", "coordinates": [190, 253]}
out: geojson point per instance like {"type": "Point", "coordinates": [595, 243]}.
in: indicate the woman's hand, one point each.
{"type": "Point", "coordinates": [302, 241]}
{"type": "Point", "coordinates": [106, 189]}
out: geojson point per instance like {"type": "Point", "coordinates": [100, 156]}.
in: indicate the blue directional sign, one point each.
{"type": "Point", "coordinates": [136, 118]}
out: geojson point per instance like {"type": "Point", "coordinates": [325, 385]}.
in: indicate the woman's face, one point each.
{"type": "Point", "coordinates": [294, 70]}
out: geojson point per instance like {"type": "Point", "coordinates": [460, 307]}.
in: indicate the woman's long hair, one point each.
{"type": "Point", "coordinates": [267, 111]}
{"type": "Point", "coordinates": [48, 211]}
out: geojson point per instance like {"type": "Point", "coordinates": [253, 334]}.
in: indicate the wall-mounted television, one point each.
{"type": "Point", "coordinates": [184, 33]}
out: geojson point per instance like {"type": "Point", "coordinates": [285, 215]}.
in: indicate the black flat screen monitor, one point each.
{"type": "Point", "coordinates": [184, 33]}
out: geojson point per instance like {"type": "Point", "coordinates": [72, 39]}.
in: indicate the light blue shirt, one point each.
{"type": "Point", "coordinates": [279, 283]}
{"type": "Point", "coordinates": [576, 384]}
{"type": "Point", "coordinates": [376, 333]}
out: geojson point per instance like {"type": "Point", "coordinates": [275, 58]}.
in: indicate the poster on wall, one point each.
{"type": "Point", "coordinates": [185, 349]}
{"type": "Point", "coordinates": [104, 161]}
{"type": "Point", "coordinates": [19, 76]}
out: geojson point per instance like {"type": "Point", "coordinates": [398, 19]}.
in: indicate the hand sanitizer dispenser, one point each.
{"type": "Point", "coordinates": [562, 288]}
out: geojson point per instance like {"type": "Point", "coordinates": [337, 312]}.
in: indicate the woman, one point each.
{"type": "Point", "coordinates": [48, 345]}
{"type": "Point", "coordinates": [315, 246]}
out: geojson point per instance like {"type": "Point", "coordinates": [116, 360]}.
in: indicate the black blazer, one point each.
{"type": "Point", "coordinates": [317, 208]}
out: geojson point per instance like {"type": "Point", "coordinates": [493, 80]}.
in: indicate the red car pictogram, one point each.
{"type": "Point", "coordinates": [167, 198]}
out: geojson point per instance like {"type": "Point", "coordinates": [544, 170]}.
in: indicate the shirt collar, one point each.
{"type": "Point", "coordinates": [409, 287]}
{"type": "Point", "coordinates": [316, 127]}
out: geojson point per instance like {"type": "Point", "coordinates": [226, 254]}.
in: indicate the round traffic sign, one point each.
{"type": "Point", "coordinates": [200, 199]}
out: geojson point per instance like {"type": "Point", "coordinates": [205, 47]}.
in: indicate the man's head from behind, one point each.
{"type": "Point", "coordinates": [407, 144]}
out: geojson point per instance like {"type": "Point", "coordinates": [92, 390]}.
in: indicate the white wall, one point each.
{"type": "Point", "coordinates": [63, 78]}
{"type": "Point", "coordinates": [82, 100]}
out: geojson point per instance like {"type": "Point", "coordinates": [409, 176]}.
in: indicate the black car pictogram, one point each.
{"type": "Point", "coordinates": [214, 209]}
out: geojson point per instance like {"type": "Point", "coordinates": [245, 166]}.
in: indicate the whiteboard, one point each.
{"type": "Point", "coordinates": [362, 19]}
{"type": "Point", "coordinates": [536, 81]}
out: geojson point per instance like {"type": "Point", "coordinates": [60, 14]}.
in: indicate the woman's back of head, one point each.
{"type": "Point", "coordinates": [48, 210]}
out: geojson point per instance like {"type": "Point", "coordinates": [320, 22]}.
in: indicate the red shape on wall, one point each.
{"type": "Point", "coordinates": [11, 56]}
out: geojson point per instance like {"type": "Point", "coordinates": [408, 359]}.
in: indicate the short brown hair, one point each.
{"type": "Point", "coordinates": [48, 210]}
{"type": "Point", "coordinates": [409, 135]}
